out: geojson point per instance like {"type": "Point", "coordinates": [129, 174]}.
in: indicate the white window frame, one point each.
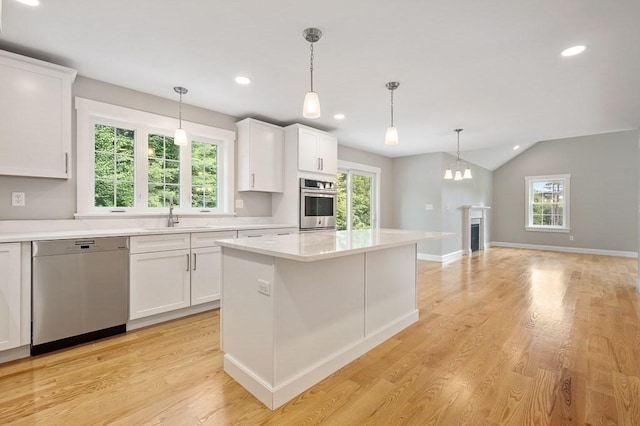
{"type": "Point", "coordinates": [529, 181]}
{"type": "Point", "coordinates": [90, 112]}
{"type": "Point", "coordinates": [347, 167]}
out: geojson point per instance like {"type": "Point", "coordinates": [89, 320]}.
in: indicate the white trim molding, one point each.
{"type": "Point", "coordinates": [618, 253]}
{"type": "Point", "coordinates": [454, 255]}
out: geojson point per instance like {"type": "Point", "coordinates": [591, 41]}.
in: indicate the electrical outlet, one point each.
{"type": "Point", "coordinates": [428, 206]}
{"type": "Point", "coordinates": [570, 237]}
{"type": "Point", "coordinates": [17, 199]}
{"type": "Point", "coordinates": [239, 204]}
{"type": "Point", "coordinates": [264, 287]}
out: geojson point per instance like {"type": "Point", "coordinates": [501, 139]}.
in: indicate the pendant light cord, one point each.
{"type": "Point", "coordinates": [180, 110]}
{"type": "Point", "coordinates": [392, 108]}
{"type": "Point", "coordinates": [311, 67]}
{"type": "Point", "coordinates": [458, 131]}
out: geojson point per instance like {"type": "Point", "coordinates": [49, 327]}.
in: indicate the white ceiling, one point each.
{"type": "Point", "coordinates": [492, 67]}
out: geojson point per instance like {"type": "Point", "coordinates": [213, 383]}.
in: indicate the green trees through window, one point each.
{"type": "Point", "coordinates": [358, 189]}
{"type": "Point", "coordinates": [115, 171]}
{"type": "Point", "coordinates": [114, 165]}
{"type": "Point", "coordinates": [164, 171]}
{"type": "Point", "coordinates": [204, 175]}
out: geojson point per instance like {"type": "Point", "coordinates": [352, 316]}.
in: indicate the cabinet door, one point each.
{"type": "Point", "coordinates": [328, 153]}
{"type": "Point", "coordinates": [10, 296]}
{"type": "Point", "coordinates": [35, 107]}
{"type": "Point", "coordinates": [260, 156]}
{"type": "Point", "coordinates": [267, 154]}
{"type": "Point", "coordinates": [206, 274]}
{"type": "Point", "coordinates": [308, 159]}
{"type": "Point", "coordinates": [159, 282]}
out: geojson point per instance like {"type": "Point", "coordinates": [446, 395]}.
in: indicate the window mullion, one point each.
{"type": "Point", "coordinates": [185, 176]}
{"type": "Point", "coordinates": [141, 173]}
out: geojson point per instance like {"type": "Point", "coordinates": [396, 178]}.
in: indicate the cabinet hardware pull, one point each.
{"type": "Point", "coordinates": [253, 180]}
{"type": "Point", "coordinates": [322, 164]}
{"type": "Point", "coordinates": [194, 261]}
{"type": "Point", "coordinates": [66, 163]}
{"type": "Point", "coordinates": [188, 263]}
{"type": "Point", "coordinates": [319, 164]}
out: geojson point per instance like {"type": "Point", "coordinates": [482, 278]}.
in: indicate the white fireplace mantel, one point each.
{"type": "Point", "coordinates": [473, 212]}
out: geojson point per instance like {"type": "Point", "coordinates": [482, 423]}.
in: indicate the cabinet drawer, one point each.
{"type": "Point", "coordinates": [162, 242]}
{"type": "Point", "coordinates": [208, 239]}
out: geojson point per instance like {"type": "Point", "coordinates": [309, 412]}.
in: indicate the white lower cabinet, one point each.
{"type": "Point", "coordinates": [174, 271]}
{"type": "Point", "coordinates": [159, 282]}
{"type": "Point", "coordinates": [206, 274]}
{"type": "Point", "coordinates": [10, 300]}
{"type": "Point", "coordinates": [206, 265]}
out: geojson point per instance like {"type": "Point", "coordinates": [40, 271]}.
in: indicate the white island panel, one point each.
{"type": "Point", "coordinates": [391, 287]}
{"type": "Point", "coordinates": [319, 312]}
{"type": "Point", "coordinates": [247, 323]}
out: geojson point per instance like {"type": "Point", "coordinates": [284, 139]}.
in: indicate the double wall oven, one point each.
{"type": "Point", "coordinates": [317, 205]}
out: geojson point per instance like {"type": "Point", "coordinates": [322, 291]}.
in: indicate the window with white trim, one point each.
{"type": "Point", "coordinates": [547, 200]}
{"type": "Point", "coordinates": [358, 192]}
{"type": "Point", "coordinates": [128, 163]}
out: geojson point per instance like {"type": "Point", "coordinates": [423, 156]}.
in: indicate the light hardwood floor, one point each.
{"type": "Point", "coordinates": [505, 336]}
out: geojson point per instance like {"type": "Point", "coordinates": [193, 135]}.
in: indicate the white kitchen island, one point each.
{"type": "Point", "coordinates": [296, 308]}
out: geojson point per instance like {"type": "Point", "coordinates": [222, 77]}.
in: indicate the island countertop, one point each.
{"type": "Point", "coordinates": [312, 246]}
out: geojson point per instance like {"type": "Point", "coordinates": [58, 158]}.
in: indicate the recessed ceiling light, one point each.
{"type": "Point", "coordinates": [515, 148]}
{"type": "Point", "coordinates": [339, 116]}
{"type": "Point", "coordinates": [573, 50]}
{"type": "Point", "coordinates": [243, 80]}
{"type": "Point", "coordinates": [30, 2]}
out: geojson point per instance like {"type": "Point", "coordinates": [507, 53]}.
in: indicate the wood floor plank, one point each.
{"type": "Point", "coordinates": [505, 336]}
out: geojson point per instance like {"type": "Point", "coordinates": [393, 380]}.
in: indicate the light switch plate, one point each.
{"type": "Point", "coordinates": [17, 199]}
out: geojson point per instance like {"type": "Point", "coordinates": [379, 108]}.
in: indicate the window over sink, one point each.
{"type": "Point", "coordinates": [128, 163]}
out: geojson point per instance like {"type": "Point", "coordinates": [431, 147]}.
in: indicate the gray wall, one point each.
{"type": "Point", "coordinates": [386, 176]}
{"type": "Point", "coordinates": [418, 181]}
{"type": "Point", "coordinates": [604, 192]}
{"type": "Point", "coordinates": [56, 198]}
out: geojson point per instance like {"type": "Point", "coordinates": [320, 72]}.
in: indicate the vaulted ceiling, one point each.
{"type": "Point", "coordinates": [491, 67]}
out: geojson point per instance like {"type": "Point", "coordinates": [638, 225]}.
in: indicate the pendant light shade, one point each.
{"type": "Point", "coordinates": [391, 137]}
{"type": "Point", "coordinates": [448, 174]}
{"type": "Point", "coordinates": [311, 105]}
{"type": "Point", "coordinates": [459, 166]}
{"type": "Point", "coordinates": [181, 136]}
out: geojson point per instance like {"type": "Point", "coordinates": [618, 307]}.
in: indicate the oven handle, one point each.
{"type": "Point", "coordinates": [319, 192]}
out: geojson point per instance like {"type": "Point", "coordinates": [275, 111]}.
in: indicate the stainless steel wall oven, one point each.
{"type": "Point", "coordinates": [317, 204]}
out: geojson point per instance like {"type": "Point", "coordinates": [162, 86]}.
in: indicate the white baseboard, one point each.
{"type": "Point", "coordinates": [274, 397]}
{"type": "Point", "coordinates": [618, 253]}
{"type": "Point", "coordinates": [446, 258]}
{"type": "Point", "coordinates": [16, 353]}
{"type": "Point", "coordinates": [167, 316]}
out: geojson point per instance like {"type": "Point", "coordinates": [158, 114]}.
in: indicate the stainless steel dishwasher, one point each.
{"type": "Point", "coordinates": [80, 291]}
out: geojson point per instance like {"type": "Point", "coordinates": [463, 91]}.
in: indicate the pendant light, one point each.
{"type": "Point", "coordinates": [391, 137]}
{"type": "Point", "coordinates": [462, 169]}
{"type": "Point", "coordinates": [311, 105]}
{"type": "Point", "coordinates": [181, 136]}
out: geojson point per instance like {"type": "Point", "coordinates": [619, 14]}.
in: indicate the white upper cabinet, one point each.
{"type": "Point", "coordinates": [260, 156]}
{"type": "Point", "coordinates": [35, 117]}
{"type": "Point", "coordinates": [317, 151]}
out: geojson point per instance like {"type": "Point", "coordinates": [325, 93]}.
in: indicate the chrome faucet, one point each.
{"type": "Point", "coordinates": [172, 220]}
